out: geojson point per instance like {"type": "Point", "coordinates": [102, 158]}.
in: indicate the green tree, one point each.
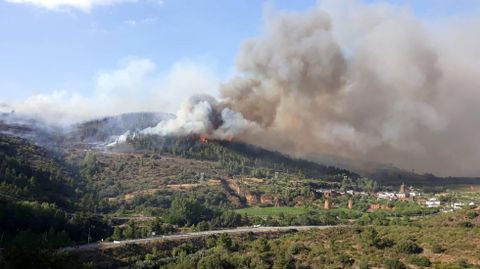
{"type": "Point", "coordinates": [214, 261]}
{"type": "Point", "coordinates": [89, 165]}
{"type": "Point", "coordinates": [224, 241]}
{"type": "Point", "coordinates": [186, 211]}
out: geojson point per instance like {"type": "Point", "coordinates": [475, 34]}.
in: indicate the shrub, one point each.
{"type": "Point", "coordinates": [380, 218]}
{"type": "Point", "coordinates": [257, 263]}
{"type": "Point", "coordinates": [283, 261]}
{"type": "Point", "coordinates": [369, 237]}
{"type": "Point", "coordinates": [436, 248]}
{"type": "Point", "coordinates": [363, 265]}
{"type": "Point", "coordinates": [203, 226]}
{"type": "Point", "coordinates": [215, 260]}
{"type": "Point", "coordinates": [394, 264]}
{"type": "Point", "coordinates": [345, 260]}
{"type": "Point", "coordinates": [224, 241]}
{"type": "Point", "coordinates": [211, 242]}
{"type": "Point", "coordinates": [472, 214]}
{"type": "Point", "coordinates": [296, 248]}
{"type": "Point", "coordinates": [465, 224]}
{"type": "Point", "coordinates": [462, 263]}
{"type": "Point", "coordinates": [385, 243]}
{"type": "Point", "coordinates": [261, 245]}
{"type": "Point", "coordinates": [408, 247]}
{"type": "Point", "coordinates": [365, 219]}
{"type": "Point", "coordinates": [183, 249]}
{"type": "Point", "coordinates": [420, 261]}
{"type": "Point", "coordinates": [149, 257]}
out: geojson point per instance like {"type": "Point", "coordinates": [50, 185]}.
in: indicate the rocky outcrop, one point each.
{"type": "Point", "coordinates": [233, 186]}
{"type": "Point", "coordinates": [250, 197]}
{"type": "Point", "coordinates": [266, 199]}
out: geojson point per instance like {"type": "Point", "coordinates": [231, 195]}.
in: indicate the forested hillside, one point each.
{"type": "Point", "coordinates": [30, 172]}
{"type": "Point", "coordinates": [40, 206]}
{"type": "Point", "coordinates": [236, 157]}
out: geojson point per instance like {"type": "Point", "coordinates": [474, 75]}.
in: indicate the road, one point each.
{"type": "Point", "coordinates": [239, 230]}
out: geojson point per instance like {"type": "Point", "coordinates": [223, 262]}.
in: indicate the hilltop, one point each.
{"type": "Point", "coordinates": [104, 129]}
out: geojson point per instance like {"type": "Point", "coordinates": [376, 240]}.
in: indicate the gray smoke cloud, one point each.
{"type": "Point", "coordinates": [366, 82]}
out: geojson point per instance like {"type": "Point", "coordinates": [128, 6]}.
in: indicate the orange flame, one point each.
{"type": "Point", "coordinates": [203, 139]}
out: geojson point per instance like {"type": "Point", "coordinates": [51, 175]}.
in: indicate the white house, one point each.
{"type": "Point", "coordinates": [457, 205]}
{"type": "Point", "coordinates": [432, 202]}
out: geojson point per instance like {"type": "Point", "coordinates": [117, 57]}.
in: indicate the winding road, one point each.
{"type": "Point", "coordinates": [103, 245]}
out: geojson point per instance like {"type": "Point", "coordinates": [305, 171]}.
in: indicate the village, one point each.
{"type": "Point", "coordinates": [444, 201]}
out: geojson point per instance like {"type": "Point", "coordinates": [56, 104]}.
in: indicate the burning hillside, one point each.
{"type": "Point", "coordinates": [367, 82]}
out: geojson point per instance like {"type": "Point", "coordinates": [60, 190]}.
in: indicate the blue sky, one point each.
{"type": "Point", "coordinates": [44, 50]}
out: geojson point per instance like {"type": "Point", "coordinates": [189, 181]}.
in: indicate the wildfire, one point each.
{"type": "Point", "coordinates": [203, 139]}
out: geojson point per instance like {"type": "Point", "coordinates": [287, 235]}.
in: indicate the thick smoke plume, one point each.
{"type": "Point", "coordinates": [374, 84]}
{"type": "Point", "coordinates": [203, 115]}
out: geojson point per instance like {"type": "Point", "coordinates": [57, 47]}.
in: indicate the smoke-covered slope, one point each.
{"type": "Point", "coordinates": [33, 130]}
{"type": "Point", "coordinates": [239, 157]}
{"type": "Point", "coordinates": [387, 174]}
{"type": "Point", "coordinates": [102, 130]}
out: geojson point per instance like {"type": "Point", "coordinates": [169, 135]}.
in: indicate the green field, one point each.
{"type": "Point", "coordinates": [272, 211]}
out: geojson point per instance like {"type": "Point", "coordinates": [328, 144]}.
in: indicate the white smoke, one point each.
{"type": "Point", "coordinates": [121, 139]}
{"type": "Point", "coordinates": [201, 114]}
{"type": "Point", "coordinates": [136, 86]}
